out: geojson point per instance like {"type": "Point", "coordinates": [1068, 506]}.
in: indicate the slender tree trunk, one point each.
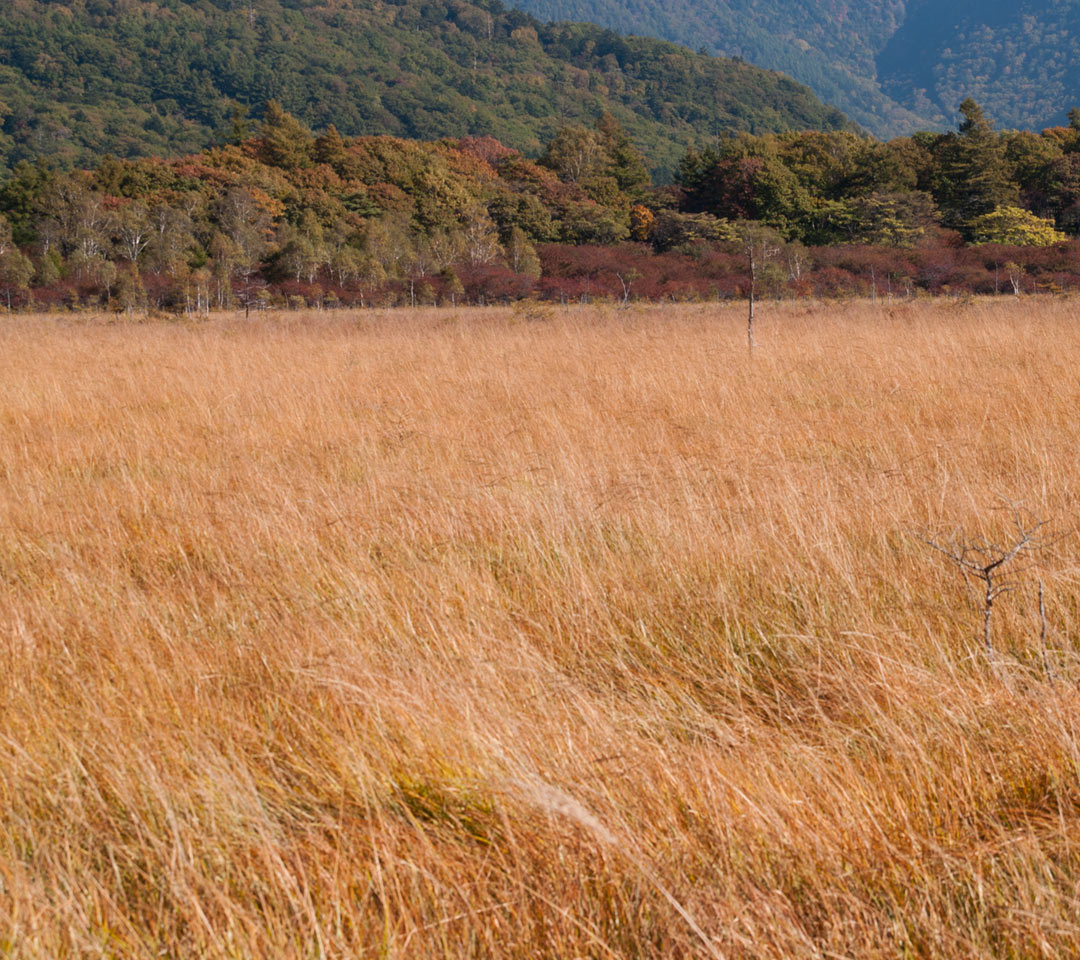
{"type": "Point", "coordinates": [750, 320]}
{"type": "Point", "coordinates": [1042, 634]}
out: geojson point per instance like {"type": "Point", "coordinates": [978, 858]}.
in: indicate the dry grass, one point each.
{"type": "Point", "coordinates": [435, 634]}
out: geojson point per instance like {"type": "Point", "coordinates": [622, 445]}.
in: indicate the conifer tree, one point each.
{"type": "Point", "coordinates": [285, 141]}
{"type": "Point", "coordinates": [974, 173]}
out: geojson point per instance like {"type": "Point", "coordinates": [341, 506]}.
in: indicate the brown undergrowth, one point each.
{"type": "Point", "coordinates": [446, 634]}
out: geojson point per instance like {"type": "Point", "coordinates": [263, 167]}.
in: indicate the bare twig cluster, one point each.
{"type": "Point", "coordinates": [989, 565]}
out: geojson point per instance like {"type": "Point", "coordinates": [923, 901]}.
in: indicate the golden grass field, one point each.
{"type": "Point", "coordinates": [489, 634]}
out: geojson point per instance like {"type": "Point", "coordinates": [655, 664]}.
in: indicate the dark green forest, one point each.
{"type": "Point", "coordinates": [83, 78]}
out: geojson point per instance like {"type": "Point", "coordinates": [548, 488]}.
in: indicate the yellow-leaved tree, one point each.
{"type": "Point", "coordinates": [1015, 226]}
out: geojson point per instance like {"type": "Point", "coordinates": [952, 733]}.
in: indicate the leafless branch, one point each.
{"type": "Point", "coordinates": [985, 562]}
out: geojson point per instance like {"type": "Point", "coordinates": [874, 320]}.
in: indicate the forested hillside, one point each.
{"type": "Point", "coordinates": [82, 78]}
{"type": "Point", "coordinates": [895, 66]}
{"type": "Point", "coordinates": [828, 44]}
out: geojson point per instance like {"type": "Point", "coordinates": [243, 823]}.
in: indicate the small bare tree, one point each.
{"type": "Point", "coordinates": [1016, 275]}
{"type": "Point", "coordinates": [798, 261]}
{"type": "Point", "coordinates": [627, 280]}
{"type": "Point", "coordinates": [760, 245]}
{"type": "Point", "coordinates": [985, 562]}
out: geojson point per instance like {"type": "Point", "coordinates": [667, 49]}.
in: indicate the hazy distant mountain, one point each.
{"type": "Point", "coordinates": [80, 78]}
{"type": "Point", "coordinates": [894, 65]}
{"type": "Point", "coordinates": [1020, 61]}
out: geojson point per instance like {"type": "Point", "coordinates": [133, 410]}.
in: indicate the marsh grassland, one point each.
{"type": "Point", "coordinates": [499, 633]}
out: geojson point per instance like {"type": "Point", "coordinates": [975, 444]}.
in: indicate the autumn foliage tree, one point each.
{"type": "Point", "coordinates": [1015, 226]}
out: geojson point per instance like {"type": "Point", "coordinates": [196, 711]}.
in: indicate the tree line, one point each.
{"type": "Point", "coordinates": [287, 218]}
